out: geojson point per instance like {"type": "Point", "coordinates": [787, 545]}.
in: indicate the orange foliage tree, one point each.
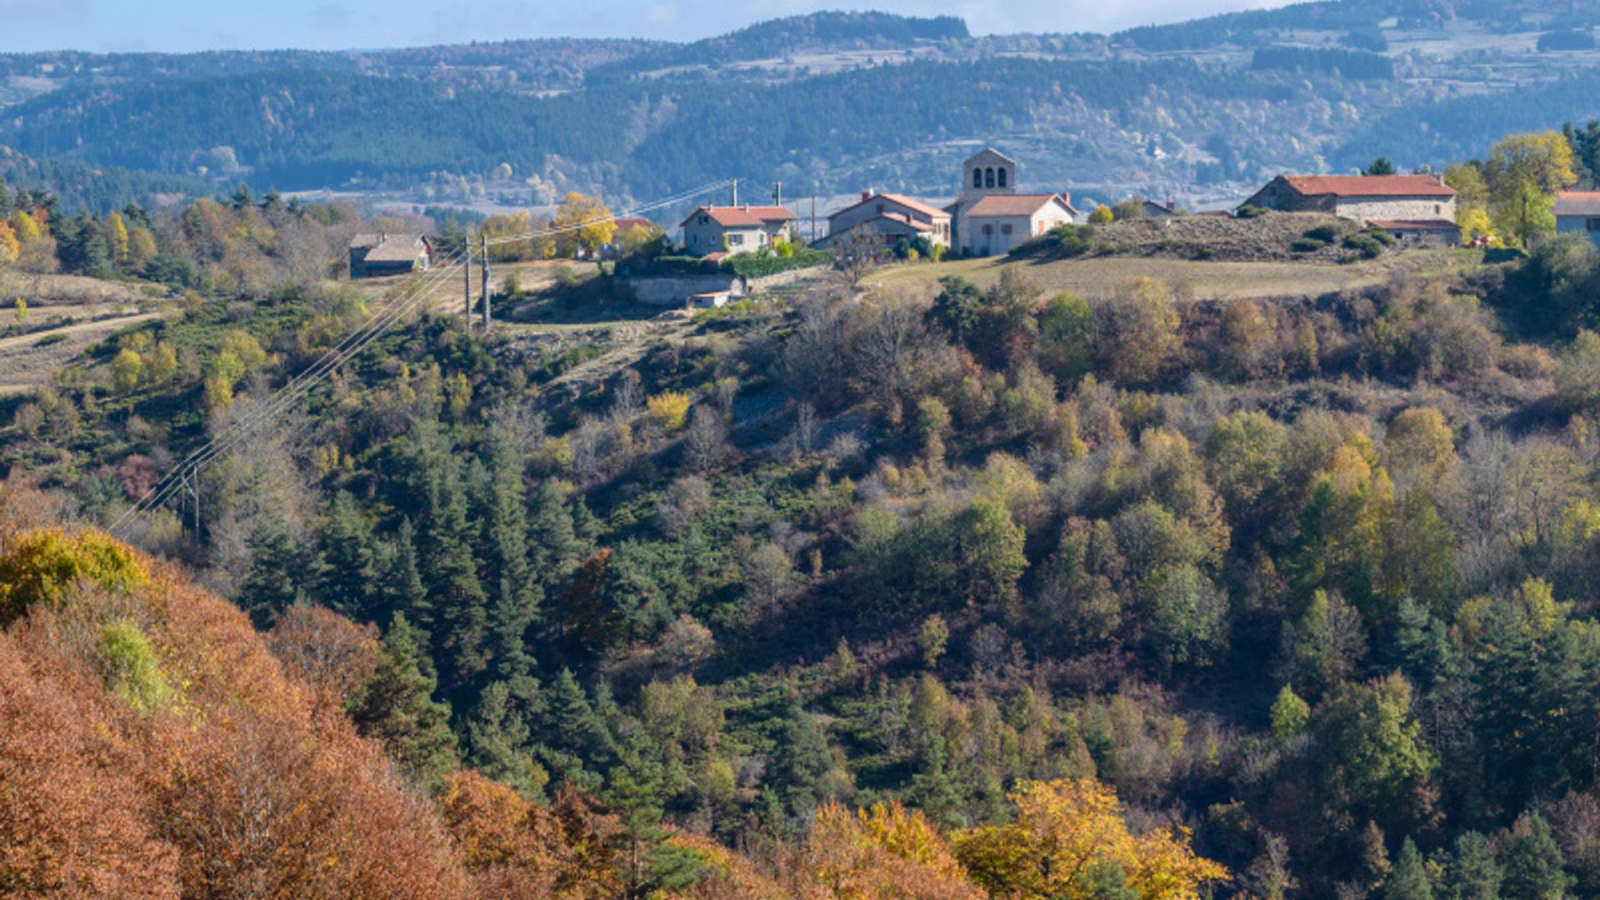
{"type": "Point", "coordinates": [882, 852]}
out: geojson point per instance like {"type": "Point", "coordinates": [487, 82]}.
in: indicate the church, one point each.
{"type": "Point", "coordinates": [990, 218]}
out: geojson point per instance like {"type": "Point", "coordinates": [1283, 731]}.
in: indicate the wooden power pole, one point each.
{"type": "Point", "coordinates": [466, 268]}
{"type": "Point", "coordinates": [483, 264]}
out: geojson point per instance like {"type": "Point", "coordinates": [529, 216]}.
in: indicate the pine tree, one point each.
{"type": "Point", "coordinates": [651, 867]}
{"type": "Point", "coordinates": [554, 549]}
{"type": "Point", "coordinates": [515, 595]}
{"type": "Point", "coordinates": [403, 590]}
{"type": "Point", "coordinates": [272, 584]}
{"type": "Point", "coordinates": [573, 739]}
{"type": "Point", "coordinates": [1534, 867]}
{"type": "Point", "coordinates": [501, 736]}
{"type": "Point", "coordinates": [1422, 646]}
{"type": "Point", "coordinates": [1473, 874]}
{"type": "Point", "coordinates": [1409, 878]}
{"type": "Point", "coordinates": [801, 760]}
{"type": "Point", "coordinates": [346, 571]}
{"type": "Point", "coordinates": [396, 706]}
{"type": "Point", "coordinates": [451, 573]}
{"type": "Point", "coordinates": [933, 790]}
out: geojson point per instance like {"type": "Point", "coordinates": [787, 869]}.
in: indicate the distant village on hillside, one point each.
{"type": "Point", "coordinates": [992, 215]}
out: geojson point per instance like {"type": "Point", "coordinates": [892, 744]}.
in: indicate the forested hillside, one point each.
{"type": "Point", "coordinates": [1306, 579]}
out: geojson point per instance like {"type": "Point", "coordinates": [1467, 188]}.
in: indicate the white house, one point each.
{"type": "Point", "coordinates": [990, 217]}
{"type": "Point", "coordinates": [1578, 212]}
{"type": "Point", "coordinates": [891, 217]}
{"type": "Point", "coordinates": [735, 229]}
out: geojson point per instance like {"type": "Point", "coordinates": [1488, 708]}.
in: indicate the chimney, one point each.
{"type": "Point", "coordinates": [1066, 197]}
{"type": "Point", "coordinates": [866, 195]}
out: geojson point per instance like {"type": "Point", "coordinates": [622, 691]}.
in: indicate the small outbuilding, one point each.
{"type": "Point", "coordinates": [383, 253]}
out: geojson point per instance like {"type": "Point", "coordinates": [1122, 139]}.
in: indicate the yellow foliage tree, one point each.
{"type": "Point", "coordinates": [141, 245]}
{"type": "Point", "coordinates": [1472, 200]}
{"type": "Point", "coordinates": [1102, 215]}
{"type": "Point", "coordinates": [117, 236]}
{"type": "Point", "coordinates": [1524, 174]}
{"type": "Point", "coordinates": [126, 368]}
{"type": "Point", "coordinates": [41, 566]}
{"type": "Point", "coordinates": [26, 227]}
{"type": "Point", "coordinates": [670, 409]}
{"type": "Point", "coordinates": [590, 222]}
{"type": "Point", "coordinates": [1065, 834]}
{"type": "Point", "coordinates": [883, 852]}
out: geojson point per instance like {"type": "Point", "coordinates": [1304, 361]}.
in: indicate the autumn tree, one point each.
{"type": "Point", "coordinates": [1524, 174]}
{"type": "Point", "coordinates": [584, 224]}
{"type": "Point", "coordinates": [1063, 832]}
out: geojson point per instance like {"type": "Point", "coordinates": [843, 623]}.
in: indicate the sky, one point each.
{"type": "Point", "coordinates": [189, 25]}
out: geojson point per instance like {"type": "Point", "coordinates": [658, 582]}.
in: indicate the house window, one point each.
{"type": "Point", "coordinates": [735, 238]}
{"type": "Point", "coordinates": [880, 209]}
{"type": "Point", "coordinates": [988, 178]}
{"type": "Point", "coordinates": [977, 178]}
{"type": "Point", "coordinates": [1437, 209]}
{"type": "Point", "coordinates": [1593, 224]}
{"type": "Point", "coordinates": [988, 229]}
{"type": "Point", "coordinates": [1005, 229]}
{"type": "Point", "coordinates": [1002, 177]}
{"type": "Point", "coordinates": [704, 220]}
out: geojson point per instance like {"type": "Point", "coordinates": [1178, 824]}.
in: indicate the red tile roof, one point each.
{"type": "Point", "coordinates": [727, 216]}
{"type": "Point", "coordinates": [772, 213]}
{"type": "Point", "coordinates": [626, 224]}
{"type": "Point", "coordinates": [1578, 203]}
{"type": "Point", "coordinates": [1369, 185]}
{"type": "Point", "coordinates": [914, 205]}
{"type": "Point", "coordinates": [1011, 204]}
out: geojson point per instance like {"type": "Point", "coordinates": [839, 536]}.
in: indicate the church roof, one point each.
{"type": "Point", "coordinates": [990, 152]}
{"type": "Point", "coordinates": [1012, 205]}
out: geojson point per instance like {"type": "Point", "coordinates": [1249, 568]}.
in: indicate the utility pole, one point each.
{"type": "Point", "coordinates": [483, 263]}
{"type": "Point", "coordinates": [813, 218]}
{"type": "Point", "coordinates": [466, 268]}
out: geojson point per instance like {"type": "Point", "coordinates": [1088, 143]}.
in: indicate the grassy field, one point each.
{"type": "Point", "coordinates": [1190, 279]}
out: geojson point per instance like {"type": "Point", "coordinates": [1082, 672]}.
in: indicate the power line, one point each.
{"type": "Point", "coordinates": [352, 344]}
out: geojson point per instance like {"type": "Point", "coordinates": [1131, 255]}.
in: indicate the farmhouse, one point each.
{"type": "Point", "coordinates": [990, 217]}
{"type": "Point", "coordinates": [711, 230]}
{"type": "Point", "coordinates": [1365, 198]}
{"type": "Point", "coordinates": [1578, 212]}
{"type": "Point", "coordinates": [888, 218]}
{"type": "Point", "coordinates": [381, 253]}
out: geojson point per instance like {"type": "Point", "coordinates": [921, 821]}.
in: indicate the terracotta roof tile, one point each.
{"type": "Point", "coordinates": [1369, 185]}
{"type": "Point", "coordinates": [1578, 203]}
{"type": "Point", "coordinates": [908, 202]}
{"type": "Point", "coordinates": [1011, 204]}
{"type": "Point", "coordinates": [727, 216]}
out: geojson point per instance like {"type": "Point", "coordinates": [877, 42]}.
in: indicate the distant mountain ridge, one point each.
{"type": "Point", "coordinates": [829, 103]}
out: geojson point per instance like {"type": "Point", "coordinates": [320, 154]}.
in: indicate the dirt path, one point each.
{"type": "Point", "coordinates": [25, 365]}
{"type": "Point", "coordinates": [626, 349]}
